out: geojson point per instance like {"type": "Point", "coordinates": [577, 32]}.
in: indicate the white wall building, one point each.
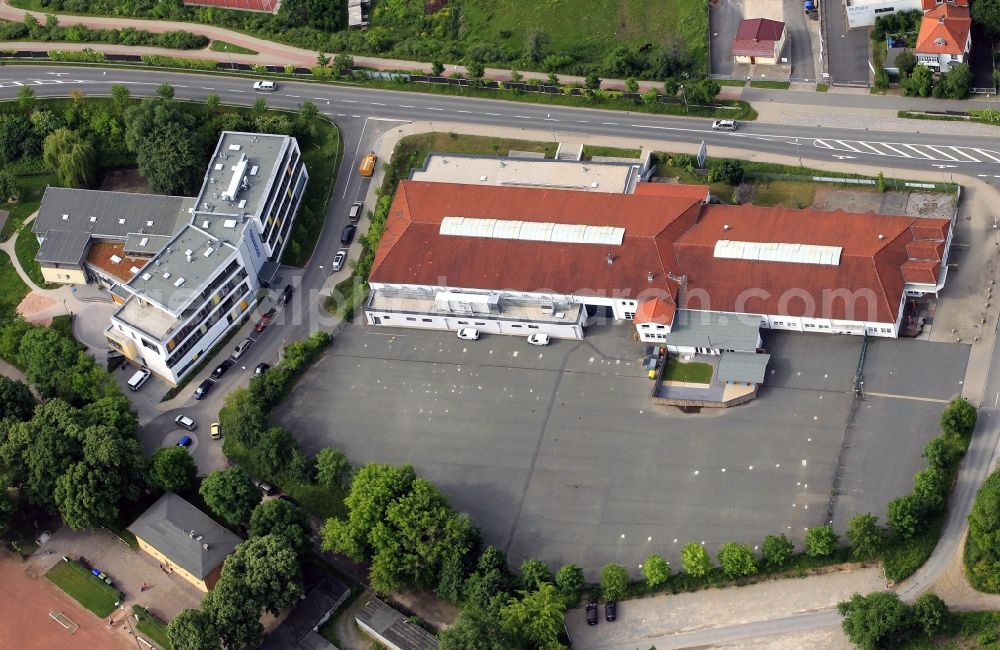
{"type": "Point", "coordinates": [862, 13]}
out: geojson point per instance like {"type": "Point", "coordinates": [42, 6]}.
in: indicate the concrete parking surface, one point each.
{"type": "Point", "coordinates": [723, 21]}
{"type": "Point", "coordinates": [847, 51]}
{"type": "Point", "coordinates": [558, 453]}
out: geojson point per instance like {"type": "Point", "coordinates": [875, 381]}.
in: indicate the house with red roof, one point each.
{"type": "Point", "coordinates": [759, 40]}
{"type": "Point", "coordinates": [519, 260]}
{"type": "Point", "coordinates": [945, 36]}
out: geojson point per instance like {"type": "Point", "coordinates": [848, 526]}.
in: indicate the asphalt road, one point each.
{"type": "Point", "coordinates": [351, 106]}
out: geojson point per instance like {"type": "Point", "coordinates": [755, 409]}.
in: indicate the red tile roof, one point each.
{"type": "Point", "coordinates": [757, 36]}
{"type": "Point", "coordinates": [930, 4]}
{"type": "Point", "coordinates": [100, 253]}
{"type": "Point", "coordinates": [665, 235]}
{"type": "Point", "coordinates": [944, 30]}
{"type": "Point", "coordinates": [656, 311]}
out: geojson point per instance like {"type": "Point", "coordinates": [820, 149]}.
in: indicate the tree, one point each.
{"type": "Point", "coordinates": [16, 138]}
{"type": "Point", "coordinates": [486, 590]}
{"type": "Point", "coordinates": [695, 559]}
{"type": "Point", "coordinates": [656, 569]}
{"type": "Point", "coordinates": [475, 630]}
{"type": "Point", "coordinates": [553, 79]}
{"type": "Point", "coordinates": [930, 488]}
{"type": "Point", "coordinates": [729, 171]}
{"type": "Point", "coordinates": [322, 59]}
{"type": "Point", "coordinates": [537, 617]}
{"type": "Point", "coordinates": [16, 400]}
{"type": "Point", "coordinates": [437, 68]}
{"type": "Point", "coordinates": [332, 468]}
{"type": "Point", "coordinates": [821, 541]}
{"type": "Point", "coordinates": [7, 505]}
{"type": "Point", "coordinates": [237, 620]}
{"type": "Point", "coordinates": [777, 550]}
{"type": "Point", "coordinates": [631, 85]}
{"type": "Point", "coordinates": [614, 582]}
{"type": "Point", "coordinates": [875, 620]}
{"type": "Point", "coordinates": [192, 629]}
{"type": "Point", "coordinates": [281, 518]}
{"type": "Point", "coordinates": [920, 82]}
{"type": "Point", "coordinates": [904, 515]}
{"type": "Point", "coordinates": [865, 536]}
{"type": "Point", "coordinates": [343, 64]}
{"type": "Point", "coordinates": [737, 559]}
{"type": "Point", "coordinates": [987, 14]}
{"type": "Point", "coordinates": [120, 96]}
{"type": "Point", "coordinates": [956, 83]}
{"type": "Point", "coordinates": [72, 157]}
{"type": "Point", "coordinates": [308, 111]}
{"type": "Point", "coordinates": [301, 467]}
{"type": "Point", "coordinates": [702, 91]}
{"type": "Point", "coordinates": [165, 91]}
{"type": "Point", "coordinates": [958, 418]}
{"type": "Point", "coordinates": [451, 578]}
{"type": "Point", "coordinates": [983, 543]}
{"type": "Point", "coordinates": [259, 107]}
{"type": "Point", "coordinates": [516, 77]}
{"type": "Point", "coordinates": [592, 82]}
{"type": "Point", "coordinates": [8, 186]}
{"type": "Point", "coordinates": [570, 583]}
{"type": "Point", "coordinates": [476, 70]}
{"type": "Point", "coordinates": [242, 417]}
{"type": "Point", "coordinates": [172, 469]}
{"type": "Point", "coordinates": [274, 449]}
{"type": "Point", "coordinates": [267, 569]}
{"type": "Point", "coordinates": [932, 615]}
{"type": "Point", "coordinates": [165, 144]}
{"type": "Point", "coordinates": [906, 62]}
{"type": "Point", "coordinates": [534, 573]}
{"type": "Point", "coordinates": [113, 411]}
{"type": "Point", "coordinates": [25, 99]}
{"type": "Point", "coordinates": [943, 452]}
{"type": "Point", "coordinates": [230, 494]}
{"type": "Point", "coordinates": [212, 102]}
{"type": "Point", "coordinates": [744, 193]}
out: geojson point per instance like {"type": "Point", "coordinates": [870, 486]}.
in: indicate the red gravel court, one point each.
{"type": "Point", "coordinates": [26, 603]}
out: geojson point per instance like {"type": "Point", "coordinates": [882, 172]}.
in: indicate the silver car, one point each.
{"type": "Point", "coordinates": [338, 260]}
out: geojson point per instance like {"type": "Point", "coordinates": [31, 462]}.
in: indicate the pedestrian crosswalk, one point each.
{"type": "Point", "coordinates": [936, 153]}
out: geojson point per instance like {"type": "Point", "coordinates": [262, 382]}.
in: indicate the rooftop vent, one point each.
{"type": "Point", "coordinates": [149, 224]}
{"type": "Point", "coordinates": [204, 546]}
{"type": "Point", "coordinates": [133, 270]}
{"type": "Point", "coordinates": [188, 252]}
{"type": "Point", "coordinates": [146, 276]}
{"type": "Point", "coordinates": [253, 170]}
{"type": "Point", "coordinates": [242, 204]}
{"type": "Point", "coordinates": [234, 147]}
{"type": "Point", "coordinates": [115, 259]}
{"type": "Point", "coordinates": [881, 236]}
{"type": "Point", "coordinates": [200, 537]}
{"type": "Point", "coordinates": [208, 251]}
{"type": "Point", "coordinates": [218, 167]}
{"type": "Point", "coordinates": [166, 275]}
{"type": "Point", "coordinates": [191, 534]}
{"type": "Point", "coordinates": [594, 184]}
{"type": "Point", "coordinates": [179, 282]}
{"type": "Point", "coordinates": [93, 219]}
{"type": "Point", "coordinates": [65, 217]}
{"type": "Point", "coordinates": [482, 178]}
{"type": "Point", "coordinates": [229, 223]}
{"type": "Point", "coordinates": [121, 222]}
{"type": "Point", "coordinates": [204, 224]}
{"type": "Point", "coordinates": [649, 276]}
{"type": "Point", "coordinates": [144, 241]}
{"type": "Point", "coordinates": [611, 258]}
{"type": "Point", "coordinates": [940, 41]}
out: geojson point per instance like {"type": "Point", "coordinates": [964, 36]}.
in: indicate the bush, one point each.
{"type": "Point", "coordinates": [932, 615]}
{"type": "Point", "coordinates": [570, 582]}
{"type": "Point", "coordinates": [729, 171]}
{"type": "Point", "coordinates": [982, 546]}
{"type": "Point", "coordinates": [84, 56]}
{"type": "Point", "coordinates": [821, 541]}
{"type": "Point", "coordinates": [656, 569]}
{"type": "Point", "coordinates": [904, 515]}
{"type": "Point", "coordinates": [777, 550]}
{"type": "Point", "coordinates": [695, 559]}
{"type": "Point", "coordinates": [943, 452]}
{"type": "Point", "coordinates": [865, 536]}
{"type": "Point", "coordinates": [614, 582]}
{"type": "Point", "coordinates": [876, 620]}
{"type": "Point", "coordinates": [161, 61]}
{"type": "Point", "coordinates": [958, 418]}
{"type": "Point", "coordinates": [737, 559]}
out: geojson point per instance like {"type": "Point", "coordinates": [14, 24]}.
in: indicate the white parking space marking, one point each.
{"type": "Point", "coordinates": [10, 84]}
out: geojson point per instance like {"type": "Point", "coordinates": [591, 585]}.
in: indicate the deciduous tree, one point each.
{"type": "Point", "coordinates": [536, 617]}
{"type": "Point", "coordinates": [333, 469]}
{"type": "Point", "coordinates": [230, 494]}
{"type": "Point", "coordinates": [821, 541]}
{"type": "Point", "coordinates": [172, 469]}
{"type": "Point", "coordinates": [570, 582]}
{"type": "Point", "coordinates": [875, 620]}
{"type": "Point", "coordinates": [72, 157]}
{"type": "Point", "coordinates": [281, 518]}
{"type": "Point", "coordinates": [193, 629]}
{"type": "Point", "coordinates": [865, 536]}
{"type": "Point", "coordinates": [777, 550]}
{"type": "Point", "coordinates": [534, 573]}
{"type": "Point", "coordinates": [932, 615]}
{"type": "Point", "coordinates": [904, 515]}
{"type": "Point", "coordinates": [16, 400]}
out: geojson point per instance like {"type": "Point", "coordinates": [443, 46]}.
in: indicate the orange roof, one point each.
{"type": "Point", "coordinates": [100, 254]}
{"type": "Point", "coordinates": [656, 311]}
{"type": "Point", "coordinates": [944, 30]}
{"type": "Point", "coordinates": [665, 235]}
{"type": "Point", "coordinates": [930, 4]}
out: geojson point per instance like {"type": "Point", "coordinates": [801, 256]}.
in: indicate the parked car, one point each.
{"type": "Point", "coordinates": [216, 431]}
{"type": "Point", "coordinates": [355, 213]}
{"type": "Point", "coordinates": [538, 338]}
{"type": "Point", "coordinates": [347, 236]}
{"type": "Point", "coordinates": [338, 260]}
{"type": "Point", "coordinates": [261, 368]}
{"type": "Point", "coordinates": [286, 294]}
{"type": "Point", "coordinates": [263, 487]}
{"type": "Point", "coordinates": [264, 321]}
{"type": "Point", "coordinates": [136, 381]}
{"type": "Point", "coordinates": [185, 422]}
{"type": "Point", "coordinates": [185, 441]}
{"type": "Point", "coordinates": [610, 611]}
{"type": "Point", "coordinates": [724, 125]}
{"type": "Point", "coordinates": [591, 613]}
{"type": "Point", "coordinates": [222, 368]}
{"type": "Point", "coordinates": [203, 388]}
{"type": "Point", "coordinates": [243, 346]}
{"type": "Point", "coordinates": [468, 334]}
{"type": "Point", "coordinates": [265, 86]}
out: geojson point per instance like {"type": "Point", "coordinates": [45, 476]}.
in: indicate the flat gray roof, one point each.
{"type": "Point", "coordinates": [167, 526]}
{"type": "Point", "coordinates": [146, 245]}
{"type": "Point", "coordinates": [107, 215]}
{"type": "Point", "coordinates": [743, 367]}
{"type": "Point", "coordinates": [180, 270]}
{"type": "Point", "coordinates": [588, 176]}
{"type": "Point", "coordinates": [62, 247]}
{"type": "Point", "coordinates": [242, 168]}
{"type": "Point", "coordinates": [711, 329]}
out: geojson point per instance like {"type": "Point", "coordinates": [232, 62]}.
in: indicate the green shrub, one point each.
{"type": "Point", "coordinates": [737, 559]}
{"type": "Point", "coordinates": [777, 550]}
{"type": "Point", "coordinates": [161, 61]}
{"type": "Point", "coordinates": [695, 559]}
{"type": "Point", "coordinates": [84, 56]}
{"type": "Point", "coordinates": [821, 541]}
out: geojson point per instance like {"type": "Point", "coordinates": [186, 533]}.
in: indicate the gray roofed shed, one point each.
{"type": "Point", "coordinates": [167, 526]}
{"type": "Point", "coordinates": [391, 628]}
{"type": "Point", "coordinates": [716, 330]}
{"type": "Point", "coordinates": [742, 367]}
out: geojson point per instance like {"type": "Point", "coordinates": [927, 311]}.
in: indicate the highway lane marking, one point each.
{"type": "Point", "coordinates": [237, 91]}
{"type": "Point", "coordinates": [458, 111]}
{"type": "Point", "coordinates": [295, 96]}
{"type": "Point", "coordinates": [610, 123]}
{"type": "Point", "coordinates": [493, 114]}
{"type": "Point", "coordinates": [207, 88]}
{"type": "Point", "coordinates": [355, 116]}
{"type": "Point", "coordinates": [349, 101]}
{"type": "Point", "coordinates": [909, 397]}
{"type": "Point", "coordinates": [941, 153]}
{"type": "Point", "coordinates": [582, 122]}
{"type": "Point", "coordinates": [522, 117]}
{"type": "Point", "coordinates": [377, 104]}
{"type": "Point", "coordinates": [341, 115]}
{"type": "Point", "coordinates": [404, 106]}
{"type": "Point", "coordinates": [431, 108]}
{"type": "Point", "coordinates": [962, 153]}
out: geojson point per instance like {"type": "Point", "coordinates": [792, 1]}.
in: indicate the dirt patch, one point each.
{"type": "Point", "coordinates": [125, 180]}
{"type": "Point", "coordinates": [931, 204]}
{"type": "Point", "coordinates": [915, 204]}
{"type": "Point", "coordinates": [32, 306]}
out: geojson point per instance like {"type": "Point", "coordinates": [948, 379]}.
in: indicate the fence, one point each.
{"type": "Point", "coordinates": [868, 182]}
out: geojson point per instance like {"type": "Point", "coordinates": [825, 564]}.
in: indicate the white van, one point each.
{"type": "Point", "coordinates": [138, 379]}
{"type": "Point", "coordinates": [265, 86]}
{"type": "Point", "coordinates": [241, 348]}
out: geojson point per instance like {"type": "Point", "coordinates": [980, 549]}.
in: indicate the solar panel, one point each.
{"type": "Point", "coordinates": [778, 252]}
{"type": "Point", "coordinates": [570, 233]}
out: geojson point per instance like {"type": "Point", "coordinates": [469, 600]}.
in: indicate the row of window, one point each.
{"type": "Point", "coordinates": [203, 327]}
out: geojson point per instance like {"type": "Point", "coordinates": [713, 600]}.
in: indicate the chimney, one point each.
{"type": "Point", "coordinates": [725, 227]}
{"type": "Point", "coordinates": [191, 534]}
{"type": "Point", "coordinates": [881, 236]}
{"type": "Point", "coordinates": [205, 546]}
{"type": "Point", "coordinates": [611, 259]}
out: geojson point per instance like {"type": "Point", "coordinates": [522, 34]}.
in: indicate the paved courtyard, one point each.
{"type": "Point", "coordinates": [558, 452]}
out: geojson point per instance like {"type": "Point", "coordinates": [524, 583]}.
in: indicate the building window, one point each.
{"type": "Point", "coordinates": [518, 326]}
{"type": "Point", "coordinates": [426, 320]}
{"type": "Point", "coordinates": [629, 315]}
{"type": "Point", "coordinates": [532, 327]}
{"type": "Point", "coordinates": [480, 323]}
{"type": "Point", "coordinates": [661, 327]}
{"type": "Point", "coordinates": [385, 318]}
{"type": "Point", "coordinates": [463, 322]}
{"type": "Point", "coordinates": [410, 318]}
{"type": "Point", "coordinates": [149, 344]}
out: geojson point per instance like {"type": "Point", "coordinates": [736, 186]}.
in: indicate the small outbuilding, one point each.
{"type": "Point", "coordinates": [759, 40]}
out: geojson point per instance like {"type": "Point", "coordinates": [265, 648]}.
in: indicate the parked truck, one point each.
{"type": "Point", "coordinates": [367, 166]}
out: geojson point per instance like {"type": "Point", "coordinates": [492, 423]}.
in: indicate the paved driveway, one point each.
{"type": "Point", "coordinates": [723, 21]}
{"type": "Point", "coordinates": [847, 50]}
{"type": "Point", "coordinates": [799, 46]}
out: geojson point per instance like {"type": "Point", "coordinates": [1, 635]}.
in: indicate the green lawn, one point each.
{"type": "Point", "coordinates": [31, 190]}
{"type": "Point", "coordinates": [321, 156]}
{"type": "Point", "coordinates": [731, 82]}
{"type": "Point", "coordinates": [26, 247]}
{"type": "Point", "coordinates": [12, 287]}
{"type": "Point", "coordinates": [694, 372]}
{"type": "Point", "coordinates": [84, 587]}
{"type": "Point", "coordinates": [776, 85]}
{"type": "Point", "coordinates": [613, 152]}
{"type": "Point", "coordinates": [589, 30]}
{"type": "Point", "coordinates": [822, 88]}
{"type": "Point", "coordinates": [151, 627]}
{"type": "Point", "coordinates": [223, 46]}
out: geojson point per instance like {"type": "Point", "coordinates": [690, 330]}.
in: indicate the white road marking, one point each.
{"type": "Point", "coordinates": [237, 91]}
{"type": "Point", "coordinates": [295, 96]}
{"type": "Point", "coordinates": [610, 123]}
{"type": "Point", "coordinates": [988, 155]}
{"type": "Point", "coordinates": [405, 106]}
{"type": "Point", "coordinates": [349, 101]}
{"type": "Point", "coordinates": [431, 108]}
{"type": "Point", "coordinates": [207, 88]}
{"type": "Point", "coordinates": [458, 111]}
{"type": "Point", "coordinates": [939, 166]}
{"type": "Point", "coordinates": [901, 153]}
{"type": "Point", "coordinates": [910, 146]}
{"type": "Point", "coordinates": [959, 151]}
{"type": "Point", "coordinates": [377, 104]}
{"type": "Point", "coordinates": [522, 117]}
{"type": "Point", "coordinates": [842, 157]}
{"type": "Point", "coordinates": [582, 122]}
{"type": "Point", "coordinates": [872, 147]}
{"type": "Point", "coordinates": [849, 147]}
{"type": "Point", "coordinates": [493, 114]}
{"type": "Point", "coordinates": [941, 153]}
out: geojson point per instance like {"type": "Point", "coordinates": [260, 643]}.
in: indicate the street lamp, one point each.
{"type": "Point", "coordinates": [798, 149]}
{"type": "Point", "coordinates": [548, 116]}
{"type": "Point", "coordinates": [685, 96]}
{"type": "Point", "coordinates": [232, 66]}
